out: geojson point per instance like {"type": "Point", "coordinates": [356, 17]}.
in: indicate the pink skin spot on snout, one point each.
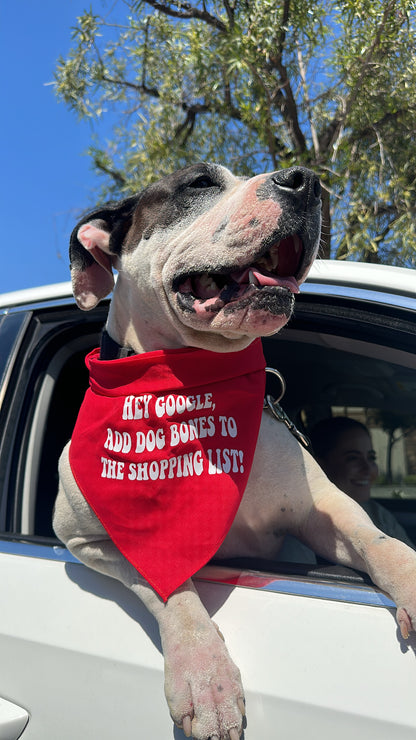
{"type": "Point", "coordinates": [244, 217]}
{"type": "Point", "coordinates": [254, 214]}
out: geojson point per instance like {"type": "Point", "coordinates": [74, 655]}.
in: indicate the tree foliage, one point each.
{"type": "Point", "coordinates": [397, 427]}
{"type": "Point", "coordinates": [261, 85]}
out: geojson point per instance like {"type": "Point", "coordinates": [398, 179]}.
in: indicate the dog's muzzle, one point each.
{"type": "Point", "coordinates": [268, 281]}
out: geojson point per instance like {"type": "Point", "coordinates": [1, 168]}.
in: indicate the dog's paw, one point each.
{"type": "Point", "coordinates": [203, 686]}
{"type": "Point", "coordinates": [406, 622]}
{"type": "Point", "coordinates": [402, 587]}
{"type": "Point", "coordinates": [404, 594]}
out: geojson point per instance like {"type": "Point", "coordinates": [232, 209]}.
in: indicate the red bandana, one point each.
{"type": "Point", "coordinates": [162, 450]}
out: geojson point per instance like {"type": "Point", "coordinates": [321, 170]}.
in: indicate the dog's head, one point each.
{"type": "Point", "coordinates": [204, 258]}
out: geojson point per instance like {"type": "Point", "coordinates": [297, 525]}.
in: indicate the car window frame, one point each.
{"type": "Point", "coordinates": [35, 546]}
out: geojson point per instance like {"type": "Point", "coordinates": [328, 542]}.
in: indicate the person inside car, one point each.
{"type": "Point", "coordinates": [344, 450]}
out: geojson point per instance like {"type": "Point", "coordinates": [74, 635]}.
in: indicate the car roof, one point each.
{"type": "Point", "coordinates": [385, 278]}
{"type": "Point", "coordinates": [33, 296]}
{"type": "Point", "coordinates": [325, 277]}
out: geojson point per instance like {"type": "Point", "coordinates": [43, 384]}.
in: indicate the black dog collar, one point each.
{"type": "Point", "coordinates": [112, 350]}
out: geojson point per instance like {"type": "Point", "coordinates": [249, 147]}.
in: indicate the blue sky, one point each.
{"type": "Point", "coordinates": [46, 178]}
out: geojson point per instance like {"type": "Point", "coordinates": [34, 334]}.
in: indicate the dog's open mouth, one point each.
{"type": "Point", "coordinates": [273, 273]}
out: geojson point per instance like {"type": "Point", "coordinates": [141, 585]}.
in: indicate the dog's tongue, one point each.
{"type": "Point", "coordinates": [256, 277]}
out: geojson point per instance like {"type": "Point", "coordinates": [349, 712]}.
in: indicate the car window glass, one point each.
{"type": "Point", "coordinates": [393, 436]}
{"type": "Point", "coordinates": [10, 327]}
{"type": "Point", "coordinates": [331, 375]}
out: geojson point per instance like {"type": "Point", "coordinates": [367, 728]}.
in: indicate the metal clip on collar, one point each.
{"type": "Point", "coordinates": [272, 404]}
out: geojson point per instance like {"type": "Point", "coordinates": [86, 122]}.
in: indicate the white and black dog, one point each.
{"type": "Point", "coordinates": [212, 261]}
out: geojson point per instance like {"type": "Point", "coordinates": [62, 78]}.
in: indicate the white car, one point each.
{"type": "Point", "coordinates": [317, 645]}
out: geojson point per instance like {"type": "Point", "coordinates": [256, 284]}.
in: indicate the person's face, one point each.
{"type": "Point", "coordinates": [351, 465]}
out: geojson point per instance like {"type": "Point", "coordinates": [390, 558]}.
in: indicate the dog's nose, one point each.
{"type": "Point", "coordinates": [299, 183]}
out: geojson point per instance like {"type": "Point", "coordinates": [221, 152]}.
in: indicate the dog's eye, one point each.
{"type": "Point", "coordinates": [204, 181]}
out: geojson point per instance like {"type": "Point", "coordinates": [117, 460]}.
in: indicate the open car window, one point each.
{"type": "Point", "coordinates": [352, 363]}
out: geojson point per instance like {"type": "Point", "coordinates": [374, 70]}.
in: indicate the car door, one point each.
{"type": "Point", "coordinates": [80, 656]}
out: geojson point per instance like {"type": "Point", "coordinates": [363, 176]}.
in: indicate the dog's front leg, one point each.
{"type": "Point", "coordinates": [339, 529]}
{"type": "Point", "coordinates": [295, 496]}
{"type": "Point", "coordinates": [202, 685]}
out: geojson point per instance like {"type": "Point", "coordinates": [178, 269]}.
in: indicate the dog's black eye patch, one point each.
{"type": "Point", "coordinates": [203, 181]}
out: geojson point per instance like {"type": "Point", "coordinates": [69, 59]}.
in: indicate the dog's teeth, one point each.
{"type": "Point", "coordinates": [274, 258]}
{"type": "Point", "coordinates": [205, 286]}
{"type": "Point", "coordinates": [207, 281]}
{"type": "Point", "coordinates": [252, 278]}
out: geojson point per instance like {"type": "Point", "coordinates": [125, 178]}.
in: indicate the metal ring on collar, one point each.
{"type": "Point", "coordinates": [272, 404]}
{"type": "Point", "coordinates": [276, 373]}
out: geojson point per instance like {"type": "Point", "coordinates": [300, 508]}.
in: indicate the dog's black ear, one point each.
{"type": "Point", "coordinates": [95, 243]}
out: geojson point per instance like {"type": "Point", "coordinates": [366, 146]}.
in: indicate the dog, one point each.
{"type": "Point", "coordinates": [210, 261]}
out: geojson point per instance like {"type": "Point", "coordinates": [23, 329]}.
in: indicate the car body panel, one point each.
{"type": "Point", "coordinates": [99, 662]}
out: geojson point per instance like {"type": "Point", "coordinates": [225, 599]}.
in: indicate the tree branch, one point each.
{"type": "Point", "coordinates": [386, 119]}
{"type": "Point", "coordinates": [369, 57]}
{"type": "Point", "coordinates": [276, 146]}
{"type": "Point", "coordinates": [355, 225]}
{"type": "Point", "coordinates": [283, 93]}
{"type": "Point", "coordinates": [142, 88]}
{"type": "Point", "coordinates": [329, 136]}
{"type": "Point", "coordinates": [229, 9]}
{"type": "Point", "coordinates": [314, 134]}
{"type": "Point", "coordinates": [281, 38]}
{"type": "Point", "coordinates": [188, 12]}
{"type": "Point", "coordinates": [187, 126]}
{"type": "Point", "coordinates": [119, 179]}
